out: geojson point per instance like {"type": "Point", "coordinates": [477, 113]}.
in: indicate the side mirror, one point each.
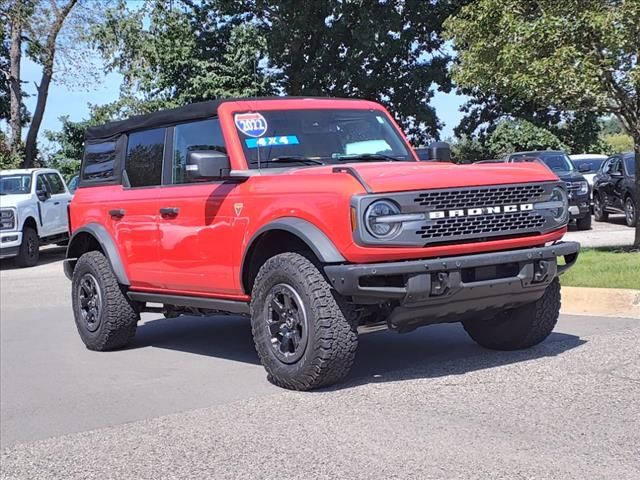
{"type": "Point", "coordinates": [43, 195]}
{"type": "Point", "coordinates": [583, 168]}
{"type": "Point", "coordinates": [207, 164]}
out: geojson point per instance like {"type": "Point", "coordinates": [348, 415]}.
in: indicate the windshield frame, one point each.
{"type": "Point", "coordinates": [30, 175]}
{"type": "Point", "coordinates": [235, 143]}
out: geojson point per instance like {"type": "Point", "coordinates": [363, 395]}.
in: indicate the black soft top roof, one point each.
{"type": "Point", "coordinates": [163, 118]}
{"type": "Point", "coordinates": [194, 111]}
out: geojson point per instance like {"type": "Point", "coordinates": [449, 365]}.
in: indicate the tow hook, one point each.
{"type": "Point", "coordinates": [541, 271]}
{"type": "Point", "coordinates": [439, 283]}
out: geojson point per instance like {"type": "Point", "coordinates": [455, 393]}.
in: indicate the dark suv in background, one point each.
{"type": "Point", "coordinates": [614, 189]}
{"type": "Point", "coordinates": [577, 186]}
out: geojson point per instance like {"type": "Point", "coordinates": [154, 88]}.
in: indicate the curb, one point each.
{"type": "Point", "coordinates": [605, 302]}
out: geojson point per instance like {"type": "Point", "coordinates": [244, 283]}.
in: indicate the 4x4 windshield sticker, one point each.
{"type": "Point", "coordinates": [251, 124]}
{"type": "Point", "coordinates": [271, 141]}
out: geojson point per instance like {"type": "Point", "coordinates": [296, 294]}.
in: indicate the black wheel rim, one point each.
{"type": "Point", "coordinates": [90, 301]}
{"type": "Point", "coordinates": [597, 208]}
{"type": "Point", "coordinates": [630, 211]}
{"type": "Point", "coordinates": [31, 246]}
{"type": "Point", "coordinates": [286, 322]}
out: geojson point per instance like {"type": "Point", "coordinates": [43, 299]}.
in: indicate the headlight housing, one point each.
{"type": "Point", "coordinates": [7, 219]}
{"type": "Point", "coordinates": [561, 212]}
{"type": "Point", "coordinates": [376, 223]}
{"type": "Point", "coordinates": [583, 187]}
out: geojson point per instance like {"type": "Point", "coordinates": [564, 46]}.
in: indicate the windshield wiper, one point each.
{"type": "Point", "coordinates": [291, 159]}
{"type": "Point", "coordinates": [369, 157]}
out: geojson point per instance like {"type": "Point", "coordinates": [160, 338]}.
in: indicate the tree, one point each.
{"type": "Point", "coordinates": [70, 146]}
{"type": "Point", "coordinates": [170, 57]}
{"type": "Point", "coordinates": [387, 51]}
{"type": "Point", "coordinates": [520, 135]}
{"type": "Point", "coordinates": [572, 56]}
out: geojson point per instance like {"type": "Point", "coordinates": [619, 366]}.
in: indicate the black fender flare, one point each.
{"type": "Point", "coordinates": [107, 245]}
{"type": "Point", "coordinates": [322, 247]}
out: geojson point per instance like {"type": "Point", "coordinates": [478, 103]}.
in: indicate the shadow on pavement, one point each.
{"type": "Point", "coordinates": [429, 352]}
{"type": "Point", "coordinates": [47, 255]}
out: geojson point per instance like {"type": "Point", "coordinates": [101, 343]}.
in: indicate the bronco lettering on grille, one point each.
{"type": "Point", "coordinates": [470, 212]}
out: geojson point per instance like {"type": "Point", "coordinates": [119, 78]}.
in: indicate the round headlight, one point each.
{"type": "Point", "coordinates": [382, 227]}
{"type": "Point", "coordinates": [560, 214]}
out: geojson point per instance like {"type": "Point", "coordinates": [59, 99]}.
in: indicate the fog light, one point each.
{"type": "Point", "coordinates": [12, 238]}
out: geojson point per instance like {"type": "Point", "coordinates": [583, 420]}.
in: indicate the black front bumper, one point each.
{"type": "Point", "coordinates": [453, 288]}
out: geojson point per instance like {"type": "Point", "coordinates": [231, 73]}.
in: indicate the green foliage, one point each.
{"type": "Point", "coordinates": [520, 135]}
{"type": "Point", "coordinates": [604, 269]}
{"type": "Point", "coordinates": [566, 55]}
{"type": "Point", "coordinates": [69, 141]}
{"type": "Point", "coordinates": [467, 149]}
{"type": "Point", "coordinates": [618, 142]}
{"type": "Point", "coordinates": [170, 57]}
{"type": "Point", "coordinates": [8, 159]}
{"type": "Point", "coordinates": [388, 51]}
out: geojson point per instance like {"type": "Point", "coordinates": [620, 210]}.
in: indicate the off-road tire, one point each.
{"type": "Point", "coordinates": [521, 327]}
{"type": "Point", "coordinates": [332, 336]}
{"type": "Point", "coordinates": [117, 316]}
{"type": "Point", "coordinates": [599, 215]}
{"type": "Point", "coordinates": [29, 252]}
{"type": "Point", "coordinates": [630, 218]}
{"type": "Point", "coordinates": [584, 223]}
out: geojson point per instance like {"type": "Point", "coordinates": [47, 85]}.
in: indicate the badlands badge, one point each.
{"type": "Point", "coordinates": [238, 208]}
{"type": "Point", "coordinates": [251, 124]}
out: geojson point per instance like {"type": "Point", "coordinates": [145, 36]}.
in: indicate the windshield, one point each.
{"type": "Point", "coordinates": [630, 164]}
{"type": "Point", "coordinates": [593, 164]}
{"type": "Point", "coordinates": [16, 183]}
{"type": "Point", "coordinates": [557, 161]}
{"type": "Point", "coordinates": [278, 138]}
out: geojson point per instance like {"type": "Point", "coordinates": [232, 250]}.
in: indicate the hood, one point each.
{"type": "Point", "coordinates": [14, 200]}
{"type": "Point", "coordinates": [572, 177]}
{"type": "Point", "coordinates": [385, 177]}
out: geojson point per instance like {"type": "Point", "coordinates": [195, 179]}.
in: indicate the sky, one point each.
{"type": "Point", "coordinates": [73, 102]}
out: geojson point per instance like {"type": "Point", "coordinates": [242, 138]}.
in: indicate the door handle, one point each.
{"type": "Point", "coordinates": [169, 211]}
{"type": "Point", "coordinates": [117, 213]}
{"type": "Point", "coordinates": [56, 203]}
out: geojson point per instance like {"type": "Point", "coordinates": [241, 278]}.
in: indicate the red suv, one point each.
{"type": "Point", "coordinates": [315, 218]}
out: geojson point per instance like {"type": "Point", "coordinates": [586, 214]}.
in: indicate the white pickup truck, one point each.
{"type": "Point", "coordinates": [33, 212]}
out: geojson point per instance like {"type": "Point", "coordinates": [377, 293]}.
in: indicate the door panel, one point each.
{"type": "Point", "coordinates": [60, 199]}
{"type": "Point", "coordinates": [195, 245]}
{"type": "Point", "coordinates": [46, 210]}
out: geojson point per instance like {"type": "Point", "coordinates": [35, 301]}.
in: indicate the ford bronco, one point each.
{"type": "Point", "coordinates": [315, 218]}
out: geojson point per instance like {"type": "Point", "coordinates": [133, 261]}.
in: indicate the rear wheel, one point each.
{"type": "Point", "coordinates": [29, 252]}
{"type": "Point", "coordinates": [303, 331]}
{"type": "Point", "coordinates": [104, 315]}
{"type": "Point", "coordinates": [584, 223]}
{"type": "Point", "coordinates": [630, 212]}
{"type": "Point", "coordinates": [520, 327]}
{"type": "Point", "coordinates": [598, 209]}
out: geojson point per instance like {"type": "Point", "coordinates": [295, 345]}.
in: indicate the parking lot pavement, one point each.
{"type": "Point", "coordinates": [613, 233]}
{"type": "Point", "coordinates": [189, 400]}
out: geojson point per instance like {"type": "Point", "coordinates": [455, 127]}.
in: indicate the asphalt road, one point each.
{"type": "Point", "coordinates": [189, 400]}
{"type": "Point", "coordinates": [613, 233]}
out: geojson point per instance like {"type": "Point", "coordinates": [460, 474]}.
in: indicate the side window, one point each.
{"type": "Point", "coordinates": [55, 183]}
{"type": "Point", "coordinates": [188, 137]}
{"type": "Point", "coordinates": [144, 157]}
{"type": "Point", "coordinates": [99, 161]}
{"type": "Point", "coordinates": [41, 184]}
{"type": "Point", "coordinates": [615, 167]}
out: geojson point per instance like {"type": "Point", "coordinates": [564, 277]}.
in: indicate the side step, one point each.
{"type": "Point", "coordinates": [231, 306]}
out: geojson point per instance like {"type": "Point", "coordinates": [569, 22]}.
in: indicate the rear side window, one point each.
{"type": "Point", "coordinates": [144, 157]}
{"type": "Point", "coordinates": [56, 185]}
{"type": "Point", "coordinates": [99, 161]}
{"type": "Point", "coordinates": [195, 136]}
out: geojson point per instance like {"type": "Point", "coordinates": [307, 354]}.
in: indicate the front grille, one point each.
{"type": "Point", "coordinates": [480, 197]}
{"type": "Point", "coordinates": [481, 226]}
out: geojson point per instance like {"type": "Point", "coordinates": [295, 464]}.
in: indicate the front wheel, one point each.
{"type": "Point", "coordinates": [29, 252]}
{"type": "Point", "coordinates": [105, 317]}
{"type": "Point", "coordinates": [521, 327]}
{"type": "Point", "coordinates": [303, 331]}
{"type": "Point", "coordinates": [599, 213]}
{"type": "Point", "coordinates": [584, 223]}
{"type": "Point", "coordinates": [630, 212]}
